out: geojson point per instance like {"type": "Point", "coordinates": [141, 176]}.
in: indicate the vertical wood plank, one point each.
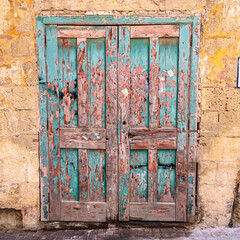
{"type": "Point", "coordinates": [195, 51]}
{"type": "Point", "coordinates": [111, 124]}
{"type": "Point", "coordinates": [124, 91]}
{"type": "Point", "coordinates": [153, 116]}
{"type": "Point", "coordinates": [53, 121]}
{"type": "Point", "coordinates": [154, 83]}
{"type": "Point", "coordinates": [182, 116]}
{"type": "Point", "coordinates": [83, 175]}
{"type": "Point", "coordinates": [152, 175]}
{"type": "Point", "coordinates": [82, 68]}
{"type": "Point", "coordinates": [43, 136]}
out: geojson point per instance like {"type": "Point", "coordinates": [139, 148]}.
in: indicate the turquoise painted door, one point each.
{"type": "Point", "coordinates": [117, 122]}
{"type": "Point", "coordinates": [82, 122]}
{"type": "Point", "coordinates": [153, 122]}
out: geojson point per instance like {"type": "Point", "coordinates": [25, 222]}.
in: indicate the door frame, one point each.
{"type": "Point", "coordinates": [193, 20]}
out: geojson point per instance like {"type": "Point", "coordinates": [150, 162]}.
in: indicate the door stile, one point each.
{"type": "Point", "coordinates": [153, 115]}
{"type": "Point", "coordinates": [193, 119]}
{"type": "Point", "coordinates": [182, 122]}
{"type": "Point", "coordinates": [124, 99]}
{"type": "Point", "coordinates": [111, 124]}
{"type": "Point", "coordinates": [83, 106]}
{"type": "Point", "coordinates": [53, 121]}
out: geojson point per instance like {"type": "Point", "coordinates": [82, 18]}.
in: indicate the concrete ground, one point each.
{"type": "Point", "coordinates": [220, 233]}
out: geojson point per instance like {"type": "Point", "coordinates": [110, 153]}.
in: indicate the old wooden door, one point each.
{"type": "Point", "coordinates": [115, 119]}
{"type": "Point", "coordinates": [82, 122]}
{"type": "Point", "coordinates": [153, 114]}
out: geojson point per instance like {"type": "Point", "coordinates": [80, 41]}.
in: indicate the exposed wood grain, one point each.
{"type": "Point", "coordinates": [82, 68]}
{"type": "Point", "coordinates": [182, 118]}
{"type": "Point", "coordinates": [83, 175]}
{"type": "Point", "coordinates": [152, 212]}
{"type": "Point", "coordinates": [82, 138]}
{"type": "Point", "coordinates": [111, 124]}
{"type": "Point", "coordinates": [150, 132]}
{"type": "Point", "coordinates": [87, 212]}
{"type": "Point", "coordinates": [81, 32]}
{"type": "Point", "coordinates": [43, 135]}
{"type": "Point", "coordinates": [154, 83]}
{"type": "Point", "coordinates": [124, 91]}
{"type": "Point", "coordinates": [53, 121]}
{"type": "Point", "coordinates": [137, 134]}
{"type": "Point", "coordinates": [154, 31]}
{"type": "Point", "coordinates": [153, 144]}
{"type": "Point", "coordinates": [152, 175]}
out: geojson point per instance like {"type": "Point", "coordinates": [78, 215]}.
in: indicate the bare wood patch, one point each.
{"type": "Point", "coordinates": [154, 31]}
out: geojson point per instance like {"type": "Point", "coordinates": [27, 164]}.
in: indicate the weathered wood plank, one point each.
{"type": "Point", "coordinates": [152, 175]}
{"type": "Point", "coordinates": [156, 31]}
{"type": "Point", "coordinates": [118, 20]}
{"type": "Point", "coordinates": [69, 175]}
{"type": "Point", "coordinates": [67, 69]}
{"type": "Point", "coordinates": [83, 144]}
{"type": "Point", "coordinates": [195, 51]}
{"type": "Point", "coordinates": [166, 175]}
{"type": "Point", "coordinates": [53, 121]}
{"type": "Point", "coordinates": [168, 83]}
{"type": "Point", "coordinates": [82, 68]}
{"type": "Point", "coordinates": [83, 175]}
{"type": "Point", "coordinates": [96, 79]}
{"type": "Point", "coordinates": [43, 136]}
{"type": "Point", "coordinates": [81, 32]}
{"type": "Point", "coordinates": [154, 83]}
{"type": "Point", "coordinates": [182, 119]}
{"type": "Point", "coordinates": [97, 175]}
{"type": "Point", "coordinates": [152, 212]}
{"type": "Point", "coordinates": [111, 124]}
{"type": "Point", "coordinates": [139, 84]}
{"type": "Point", "coordinates": [153, 143]}
{"type": "Point", "coordinates": [87, 212]}
{"type": "Point", "coordinates": [135, 134]}
{"type": "Point", "coordinates": [138, 175]}
{"type": "Point", "coordinates": [124, 91]}
{"type": "Point", "coordinates": [82, 138]}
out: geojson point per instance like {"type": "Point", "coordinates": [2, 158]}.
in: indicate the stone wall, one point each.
{"type": "Point", "coordinates": [219, 100]}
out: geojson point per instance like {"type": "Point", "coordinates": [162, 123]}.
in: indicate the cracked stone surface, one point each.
{"type": "Point", "coordinates": [219, 233]}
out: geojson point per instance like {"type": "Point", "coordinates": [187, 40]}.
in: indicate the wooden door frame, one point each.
{"type": "Point", "coordinates": [42, 22]}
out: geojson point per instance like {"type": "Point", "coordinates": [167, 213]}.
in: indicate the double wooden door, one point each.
{"type": "Point", "coordinates": [117, 122]}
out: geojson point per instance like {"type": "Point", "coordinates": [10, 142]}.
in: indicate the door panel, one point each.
{"type": "Point", "coordinates": [152, 186]}
{"type": "Point", "coordinates": [81, 119]}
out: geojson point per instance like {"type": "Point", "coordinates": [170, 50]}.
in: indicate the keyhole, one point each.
{"type": "Point", "coordinates": [124, 123]}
